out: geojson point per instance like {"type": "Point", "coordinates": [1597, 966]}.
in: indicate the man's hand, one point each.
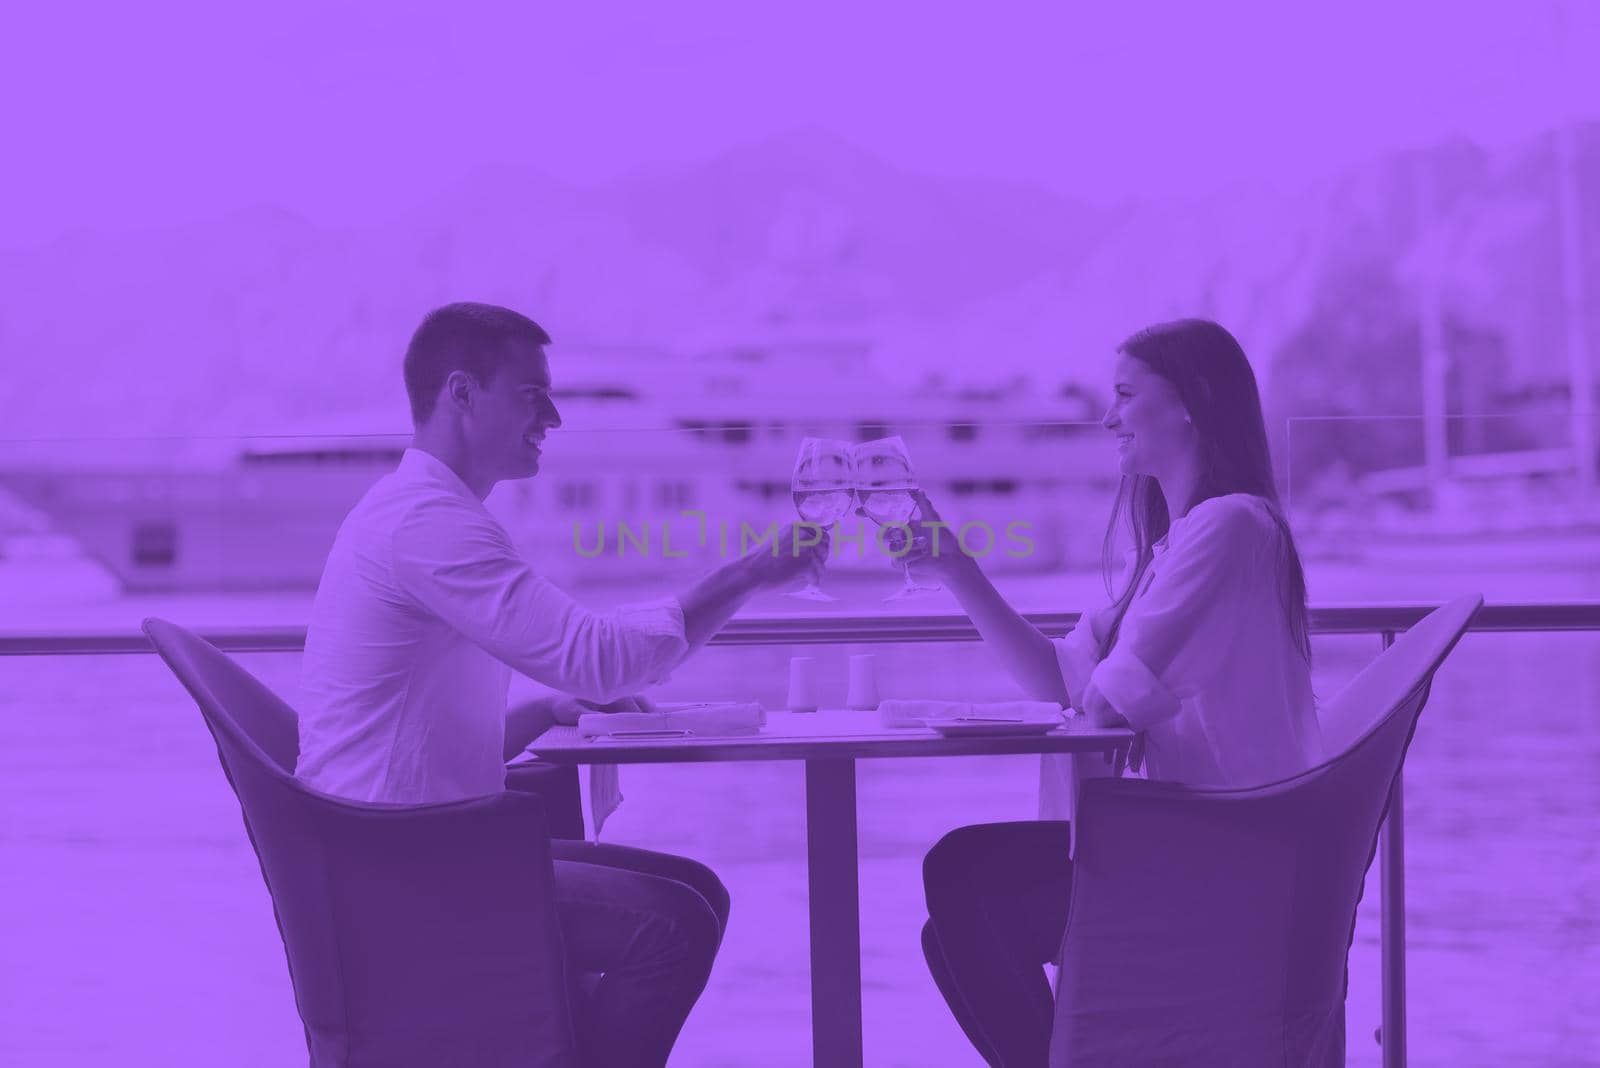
{"type": "Point", "coordinates": [798, 552]}
{"type": "Point", "coordinates": [535, 714]}
{"type": "Point", "coordinates": [566, 709]}
{"type": "Point", "coordinates": [531, 718]}
{"type": "Point", "coordinates": [637, 703]}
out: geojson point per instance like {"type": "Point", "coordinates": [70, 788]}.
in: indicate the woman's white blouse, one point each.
{"type": "Point", "coordinates": [1205, 663]}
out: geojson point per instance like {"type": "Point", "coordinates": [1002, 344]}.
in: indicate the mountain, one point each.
{"type": "Point", "coordinates": [260, 318]}
{"type": "Point", "coordinates": [813, 220]}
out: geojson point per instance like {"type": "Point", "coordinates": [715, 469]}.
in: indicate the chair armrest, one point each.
{"type": "Point", "coordinates": [557, 786]}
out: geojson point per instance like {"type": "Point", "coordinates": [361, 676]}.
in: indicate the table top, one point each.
{"type": "Point", "coordinates": [827, 734]}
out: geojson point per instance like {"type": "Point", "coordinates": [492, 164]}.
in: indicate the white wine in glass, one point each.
{"type": "Point", "coordinates": [824, 493]}
{"type": "Point", "coordinates": [886, 484]}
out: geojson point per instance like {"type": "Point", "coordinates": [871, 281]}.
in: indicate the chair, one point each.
{"type": "Point", "coordinates": [421, 935]}
{"type": "Point", "coordinates": [1213, 926]}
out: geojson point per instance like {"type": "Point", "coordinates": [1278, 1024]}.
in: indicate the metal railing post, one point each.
{"type": "Point", "coordinates": [1392, 935]}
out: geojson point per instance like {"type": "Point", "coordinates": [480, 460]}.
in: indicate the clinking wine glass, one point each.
{"type": "Point", "coordinates": [886, 484]}
{"type": "Point", "coordinates": [824, 493]}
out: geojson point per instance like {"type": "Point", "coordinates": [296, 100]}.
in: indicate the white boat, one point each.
{"type": "Point", "coordinates": [1490, 510]}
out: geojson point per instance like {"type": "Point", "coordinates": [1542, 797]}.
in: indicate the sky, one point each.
{"type": "Point", "coordinates": [127, 116]}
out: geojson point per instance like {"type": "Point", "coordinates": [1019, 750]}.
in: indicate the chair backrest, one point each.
{"type": "Point", "coordinates": [415, 935]}
{"type": "Point", "coordinates": [1214, 926]}
{"type": "Point", "coordinates": [240, 711]}
{"type": "Point", "coordinates": [1378, 690]}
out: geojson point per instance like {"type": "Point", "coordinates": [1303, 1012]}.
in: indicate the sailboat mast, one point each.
{"type": "Point", "coordinates": [1435, 357]}
{"type": "Point", "coordinates": [1580, 371]}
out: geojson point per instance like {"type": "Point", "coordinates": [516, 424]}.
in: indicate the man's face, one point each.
{"type": "Point", "coordinates": [513, 413]}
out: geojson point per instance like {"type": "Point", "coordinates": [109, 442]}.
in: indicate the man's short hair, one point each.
{"type": "Point", "coordinates": [470, 337]}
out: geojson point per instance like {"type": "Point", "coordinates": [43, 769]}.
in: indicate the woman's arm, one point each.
{"type": "Point", "coordinates": [1024, 651]}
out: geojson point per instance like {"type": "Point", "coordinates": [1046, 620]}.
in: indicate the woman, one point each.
{"type": "Point", "coordinates": [1204, 649]}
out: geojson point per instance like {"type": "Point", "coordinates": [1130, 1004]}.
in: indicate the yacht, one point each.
{"type": "Point", "coordinates": [660, 458]}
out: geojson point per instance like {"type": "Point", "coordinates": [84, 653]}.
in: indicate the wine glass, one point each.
{"type": "Point", "coordinates": [886, 484]}
{"type": "Point", "coordinates": [824, 493]}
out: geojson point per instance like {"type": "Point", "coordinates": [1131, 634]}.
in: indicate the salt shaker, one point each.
{"type": "Point", "coordinates": [802, 684]}
{"type": "Point", "coordinates": [863, 693]}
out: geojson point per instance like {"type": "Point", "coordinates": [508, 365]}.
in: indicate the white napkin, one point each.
{"type": "Point", "coordinates": [605, 794]}
{"type": "Point", "coordinates": [912, 713]}
{"type": "Point", "coordinates": [721, 719]}
{"type": "Point", "coordinates": [706, 719]}
{"type": "Point", "coordinates": [905, 713]}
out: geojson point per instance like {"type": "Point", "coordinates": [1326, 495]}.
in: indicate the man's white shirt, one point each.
{"type": "Point", "coordinates": [424, 609]}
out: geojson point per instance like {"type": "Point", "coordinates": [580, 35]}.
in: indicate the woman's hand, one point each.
{"type": "Point", "coordinates": [934, 553]}
{"type": "Point", "coordinates": [1097, 710]}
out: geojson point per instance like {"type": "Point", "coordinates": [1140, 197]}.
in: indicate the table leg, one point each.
{"type": "Point", "coordinates": [835, 899]}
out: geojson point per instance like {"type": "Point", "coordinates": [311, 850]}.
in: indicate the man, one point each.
{"type": "Point", "coordinates": [426, 607]}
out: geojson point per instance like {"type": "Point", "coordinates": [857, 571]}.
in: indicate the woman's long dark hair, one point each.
{"type": "Point", "coordinates": [1208, 368]}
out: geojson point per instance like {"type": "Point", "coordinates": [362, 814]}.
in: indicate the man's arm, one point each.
{"type": "Point", "coordinates": [461, 566]}
{"type": "Point", "coordinates": [706, 607]}
{"type": "Point", "coordinates": [712, 601]}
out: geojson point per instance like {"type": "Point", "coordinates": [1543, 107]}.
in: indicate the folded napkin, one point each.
{"type": "Point", "coordinates": [898, 713]}
{"type": "Point", "coordinates": [721, 719]}
{"type": "Point", "coordinates": [605, 794]}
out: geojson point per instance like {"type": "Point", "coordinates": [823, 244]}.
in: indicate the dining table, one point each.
{"type": "Point", "coordinates": [829, 742]}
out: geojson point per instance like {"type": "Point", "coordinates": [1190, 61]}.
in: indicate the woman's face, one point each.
{"type": "Point", "coordinates": [1153, 432]}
